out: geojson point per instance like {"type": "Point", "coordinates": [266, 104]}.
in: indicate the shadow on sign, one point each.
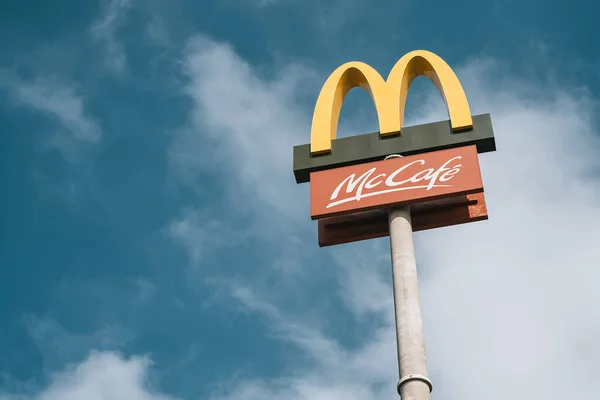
{"type": "Point", "coordinates": [428, 215]}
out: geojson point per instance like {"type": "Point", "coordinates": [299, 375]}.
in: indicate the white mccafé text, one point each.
{"type": "Point", "coordinates": [427, 179]}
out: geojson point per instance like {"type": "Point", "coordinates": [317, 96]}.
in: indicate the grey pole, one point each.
{"type": "Point", "coordinates": [414, 383]}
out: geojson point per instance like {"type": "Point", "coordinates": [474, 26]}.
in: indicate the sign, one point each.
{"type": "Point", "coordinates": [352, 187]}
{"type": "Point", "coordinates": [389, 183]}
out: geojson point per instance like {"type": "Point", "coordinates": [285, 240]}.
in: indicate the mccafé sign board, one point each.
{"type": "Point", "coordinates": [351, 184]}
{"type": "Point", "coordinates": [393, 182]}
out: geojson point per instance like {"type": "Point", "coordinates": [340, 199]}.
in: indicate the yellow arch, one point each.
{"type": "Point", "coordinates": [425, 63]}
{"type": "Point", "coordinates": [388, 96]}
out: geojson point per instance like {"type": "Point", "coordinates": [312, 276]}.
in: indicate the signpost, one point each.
{"type": "Point", "coordinates": [358, 192]}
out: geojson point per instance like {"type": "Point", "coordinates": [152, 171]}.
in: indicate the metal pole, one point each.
{"type": "Point", "coordinates": [412, 363]}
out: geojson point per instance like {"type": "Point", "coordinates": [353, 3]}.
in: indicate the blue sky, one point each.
{"type": "Point", "coordinates": [156, 247]}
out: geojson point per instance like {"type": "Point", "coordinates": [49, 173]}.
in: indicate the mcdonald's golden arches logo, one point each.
{"type": "Point", "coordinates": [388, 96]}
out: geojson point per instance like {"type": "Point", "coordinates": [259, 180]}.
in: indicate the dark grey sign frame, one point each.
{"type": "Point", "coordinates": [413, 140]}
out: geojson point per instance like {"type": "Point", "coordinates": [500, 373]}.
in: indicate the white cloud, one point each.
{"type": "Point", "coordinates": [102, 376]}
{"type": "Point", "coordinates": [104, 30]}
{"type": "Point", "coordinates": [60, 101]}
{"type": "Point", "coordinates": [509, 304]}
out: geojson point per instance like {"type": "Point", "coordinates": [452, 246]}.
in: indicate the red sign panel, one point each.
{"type": "Point", "coordinates": [384, 184]}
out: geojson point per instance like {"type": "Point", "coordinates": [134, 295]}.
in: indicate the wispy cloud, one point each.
{"type": "Point", "coordinates": [253, 3]}
{"type": "Point", "coordinates": [335, 371]}
{"type": "Point", "coordinates": [242, 121]}
{"type": "Point", "coordinates": [196, 232]}
{"type": "Point", "coordinates": [104, 30]}
{"type": "Point", "coordinates": [62, 102]}
{"type": "Point", "coordinates": [146, 291]}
